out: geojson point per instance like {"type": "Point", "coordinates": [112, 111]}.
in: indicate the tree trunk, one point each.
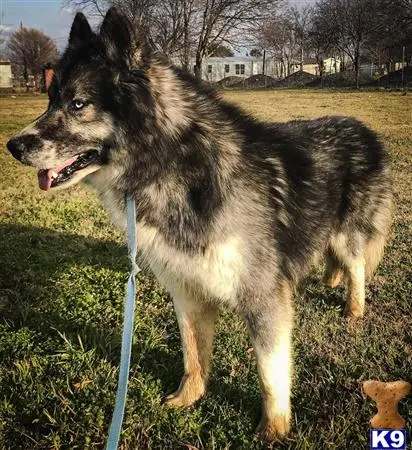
{"type": "Point", "coordinates": [186, 41]}
{"type": "Point", "coordinates": [198, 67]}
{"type": "Point", "coordinates": [321, 70]}
{"type": "Point", "coordinates": [356, 64]}
{"type": "Point", "coordinates": [25, 74]}
{"type": "Point", "coordinates": [301, 59]}
{"type": "Point", "coordinates": [186, 53]}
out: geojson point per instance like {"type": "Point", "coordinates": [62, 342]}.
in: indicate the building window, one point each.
{"type": "Point", "coordinates": [209, 68]}
{"type": "Point", "coordinates": [240, 69]}
{"type": "Point", "coordinates": [227, 68]}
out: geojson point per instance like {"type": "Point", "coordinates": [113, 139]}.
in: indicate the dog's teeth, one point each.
{"type": "Point", "coordinates": [54, 174]}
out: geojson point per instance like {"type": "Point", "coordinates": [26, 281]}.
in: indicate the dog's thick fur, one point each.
{"type": "Point", "coordinates": [231, 211]}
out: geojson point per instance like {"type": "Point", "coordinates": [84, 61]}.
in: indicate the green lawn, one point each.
{"type": "Point", "coordinates": [62, 272]}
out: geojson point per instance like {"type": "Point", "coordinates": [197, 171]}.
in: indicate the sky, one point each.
{"type": "Point", "coordinates": [50, 16]}
{"type": "Point", "coordinates": [47, 15]}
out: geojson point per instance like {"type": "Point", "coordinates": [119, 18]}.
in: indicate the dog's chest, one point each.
{"type": "Point", "coordinates": [214, 273]}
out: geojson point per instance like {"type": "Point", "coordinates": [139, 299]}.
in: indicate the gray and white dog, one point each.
{"type": "Point", "coordinates": [230, 210]}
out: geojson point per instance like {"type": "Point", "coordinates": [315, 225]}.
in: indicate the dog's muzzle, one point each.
{"type": "Point", "coordinates": [21, 145]}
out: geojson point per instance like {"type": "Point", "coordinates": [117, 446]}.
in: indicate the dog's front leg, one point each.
{"type": "Point", "coordinates": [196, 322]}
{"type": "Point", "coordinates": [270, 325]}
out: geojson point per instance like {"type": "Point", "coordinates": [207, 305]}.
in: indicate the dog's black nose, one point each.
{"type": "Point", "coordinates": [22, 145]}
{"type": "Point", "coordinates": [16, 148]}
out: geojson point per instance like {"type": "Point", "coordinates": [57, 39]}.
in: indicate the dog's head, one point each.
{"type": "Point", "coordinates": [88, 99]}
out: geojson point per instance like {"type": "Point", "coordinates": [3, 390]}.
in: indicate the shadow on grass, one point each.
{"type": "Point", "coordinates": [30, 253]}
{"type": "Point", "coordinates": [31, 262]}
{"type": "Point", "coordinates": [36, 293]}
{"type": "Point", "coordinates": [32, 294]}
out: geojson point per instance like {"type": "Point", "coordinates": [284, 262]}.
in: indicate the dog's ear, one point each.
{"type": "Point", "coordinates": [119, 38]}
{"type": "Point", "coordinates": [80, 30]}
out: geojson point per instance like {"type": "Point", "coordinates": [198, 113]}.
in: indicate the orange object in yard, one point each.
{"type": "Point", "coordinates": [48, 77]}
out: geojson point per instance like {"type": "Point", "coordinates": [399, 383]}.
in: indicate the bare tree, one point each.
{"type": "Point", "coordinates": [30, 49]}
{"type": "Point", "coordinates": [301, 21]}
{"type": "Point", "coordinates": [93, 7]}
{"type": "Point", "coordinates": [167, 26]}
{"type": "Point", "coordinates": [188, 38]}
{"type": "Point", "coordinates": [163, 23]}
{"type": "Point", "coordinates": [319, 43]}
{"type": "Point", "coordinates": [277, 36]}
{"type": "Point", "coordinates": [392, 33]}
{"type": "Point", "coordinates": [2, 37]}
{"type": "Point", "coordinates": [221, 50]}
{"type": "Point", "coordinates": [256, 53]}
{"type": "Point", "coordinates": [188, 27]}
{"type": "Point", "coordinates": [347, 24]}
{"type": "Point", "coordinates": [224, 21]}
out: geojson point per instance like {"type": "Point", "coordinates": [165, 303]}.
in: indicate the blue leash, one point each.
{"type": "Point", "coordinates": [128, 320]}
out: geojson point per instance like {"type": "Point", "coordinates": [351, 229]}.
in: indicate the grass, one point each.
{"type": "Point", "coordinates": [62, 272]}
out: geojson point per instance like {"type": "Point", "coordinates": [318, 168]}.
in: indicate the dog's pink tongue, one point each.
{"type": "Point", "coordinates": [45, 179]}
{"type": "Point", "coordinates": [45, 175]}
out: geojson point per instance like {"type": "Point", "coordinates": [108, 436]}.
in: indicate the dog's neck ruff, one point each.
{"type": "Point", "coordinates": [128, 321]}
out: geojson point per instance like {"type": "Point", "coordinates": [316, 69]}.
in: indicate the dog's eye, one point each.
{"type": "Point", "coordinates": [77, 105]}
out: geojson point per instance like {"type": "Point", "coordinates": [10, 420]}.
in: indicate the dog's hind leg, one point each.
{"type": "Point", "coordinates": [355, 303]}
{"type": "Point", "coordinates": [270, 326]}
{"type": "Point", "coordinates": [196, 320]}
{"type": "Point", "coordinates": [349, 250]}
{"type": "Point", "coordinates": [334, 270]}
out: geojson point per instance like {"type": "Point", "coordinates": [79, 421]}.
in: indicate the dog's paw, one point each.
{"type": "Point", "coordinates": [333, 280]}
{"type": "Point", "coordinates": [191, 389]}
{"type": "Point", "coordinates": [354, 312]}
{"type": "Point", "coordinates": [273, 429]}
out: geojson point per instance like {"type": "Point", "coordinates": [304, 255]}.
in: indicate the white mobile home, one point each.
{"type": "Point", "coordinates": [6, 80]}
{"type": "Point", "coordinates": [216, 68]}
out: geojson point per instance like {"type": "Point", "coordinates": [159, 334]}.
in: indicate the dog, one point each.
{"type": "Point", "coordinates": [230, 210]}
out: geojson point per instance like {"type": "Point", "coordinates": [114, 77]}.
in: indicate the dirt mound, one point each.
{"type": "Point", "coordinates": [253, 82]}
{"type": "Point", "coordinates": [339, 79]}
{"type": "Point", "coordinates": [230, 81]}
{"type": "Point", "coordinates": [297, 79]}
{"type": "Point", "coordinates": [259, 81]}
{"type": "Point", "coordinates": [394, 79]}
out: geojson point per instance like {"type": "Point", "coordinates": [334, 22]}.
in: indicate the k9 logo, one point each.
{"type": "Point", "coordinates": [388, 439]}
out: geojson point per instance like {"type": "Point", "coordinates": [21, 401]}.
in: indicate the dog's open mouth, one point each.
{"type": "Point", "coordinates": [50, 178]}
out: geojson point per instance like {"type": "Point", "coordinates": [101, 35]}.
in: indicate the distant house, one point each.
{"type": "Point", "coordinates": [216, 68]}
{"type": "Point", "coordinates": [310, 65]}
{"type": "Point", "coordinates": [331, 65]}
{"type": "Point", "coordinates": [6, 78]}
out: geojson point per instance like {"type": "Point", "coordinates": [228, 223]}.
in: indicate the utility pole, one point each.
{"type": "Point", "coordinates": [264, 62]}
{"type": "Point", "coordinates": [403, 66]}
{"type": "Point", "coordinates": [301, 59]}
{"type": "Point", "coordinates": [264, 67]}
